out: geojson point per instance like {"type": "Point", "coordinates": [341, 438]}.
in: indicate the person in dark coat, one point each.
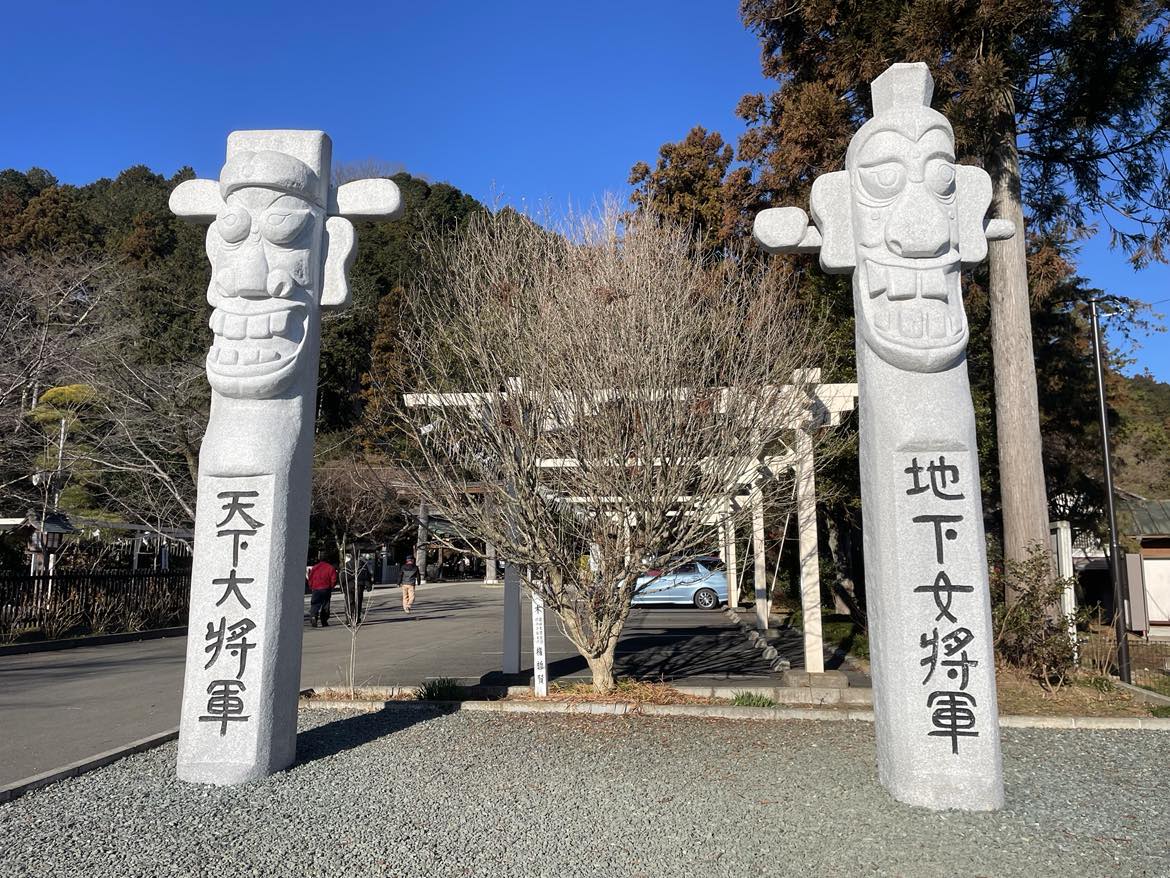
{"type": "Point", "coordinates": [355, 592]}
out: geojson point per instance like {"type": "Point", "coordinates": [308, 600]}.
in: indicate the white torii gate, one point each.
{"type": "Point", "coordinates": [827, 406]}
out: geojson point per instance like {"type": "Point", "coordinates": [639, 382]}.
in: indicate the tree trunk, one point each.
{"type": "Point", "coordinates": [1017, 413]}
{"type": "Point", "coordinates": [601, 667]}
{"type": "Point", "coordinates": [844, 589]}
{"type": "Point", "coordinates": [353, 635]}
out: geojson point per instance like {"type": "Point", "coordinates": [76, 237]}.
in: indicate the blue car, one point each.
{"type": "Point", "coordinates": [701, 582]}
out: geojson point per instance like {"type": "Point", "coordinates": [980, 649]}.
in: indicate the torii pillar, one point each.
{"type": "Point", "coordinates": [902, 218]}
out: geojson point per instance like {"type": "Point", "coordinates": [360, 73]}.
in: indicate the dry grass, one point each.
{"type": "Point", "coordinates": [1020, 695]}
{"type": "Point", "coordinates": [360, 693]}
{"type": "Point", "coordinates": [634, 691]}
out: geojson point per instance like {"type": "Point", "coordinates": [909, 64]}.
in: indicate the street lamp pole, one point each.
{"type": "Point", "coordinates": [1114, 547]}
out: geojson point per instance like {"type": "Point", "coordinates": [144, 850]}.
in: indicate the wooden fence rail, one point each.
{"type": "Point", "coordinates": [51, 606]}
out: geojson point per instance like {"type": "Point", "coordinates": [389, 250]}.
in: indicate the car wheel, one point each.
{"type": "Point", "coordinates": [706, 599]}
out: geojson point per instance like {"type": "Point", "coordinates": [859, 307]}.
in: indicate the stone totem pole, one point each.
{"type": "Point", "coordinates": [903, 218]}
{"type": "Point", "coordinates": [280, 243]}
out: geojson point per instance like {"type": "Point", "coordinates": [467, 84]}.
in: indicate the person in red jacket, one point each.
{"type": "Point", "coordinates": [322, 578]}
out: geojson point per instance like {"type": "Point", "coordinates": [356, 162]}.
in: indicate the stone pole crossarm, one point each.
{"type": "Point", "coordinates": [903, 218]}
{"type": "Point", "coordinates": [280, 243]}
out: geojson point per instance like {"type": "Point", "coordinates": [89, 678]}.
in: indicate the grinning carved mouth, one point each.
{"type": "Point", "coordinates": [913, 310]}
{"type": "Point", "coordinates": [256, 345]}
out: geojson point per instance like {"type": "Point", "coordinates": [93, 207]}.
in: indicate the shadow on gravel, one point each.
{"type": "Point", "coordinates": [354, 731]}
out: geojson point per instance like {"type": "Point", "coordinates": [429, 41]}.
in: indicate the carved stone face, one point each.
{"type": "Point", "coordinates": [902, 180]}
{"type": "Point", "coordinates": [264, 249]}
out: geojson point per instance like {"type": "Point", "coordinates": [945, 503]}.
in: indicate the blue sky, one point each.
{"type": "Point", "coordinates": [529, 103]}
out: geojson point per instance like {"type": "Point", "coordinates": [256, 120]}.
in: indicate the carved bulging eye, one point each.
{"type": "Point", "coordinates": [940, 176]}
{"type": "Point", "coordinates": [883, 182]}
{"type": "Point", "coordinates": [281, 225]}
{"type": "Point", "coordinates": [233, 224]}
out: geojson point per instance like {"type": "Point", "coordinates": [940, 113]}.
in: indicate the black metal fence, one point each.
{"type": "Point", "coordinates": [49, 606]}
{"type": "Point", "coordinates": [1149, 659]}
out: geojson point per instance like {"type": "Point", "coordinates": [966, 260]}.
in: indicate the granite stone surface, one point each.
{"type": "Point", "coordinates": [903, 218]}
{"type": "Point", "coordinates": [279, 244]}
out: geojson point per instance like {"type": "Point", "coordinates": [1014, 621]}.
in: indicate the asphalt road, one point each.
{"type": "Point", "coordinates": [59, 707]}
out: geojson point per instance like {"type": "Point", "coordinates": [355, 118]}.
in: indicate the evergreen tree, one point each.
{"type": "Point", "coordinates": [1066, 105]}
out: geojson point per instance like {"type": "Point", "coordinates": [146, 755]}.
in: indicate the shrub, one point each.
{"type": "Point", "coordinates": [1031, 633]}
{"type": "Point", "coordinates": [440, 689]}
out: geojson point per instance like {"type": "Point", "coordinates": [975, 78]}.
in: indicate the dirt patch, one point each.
{"type": "Point", "coordinates": [1020, 695]}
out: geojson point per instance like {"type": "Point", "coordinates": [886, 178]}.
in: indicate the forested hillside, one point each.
{"type": "Point", "coordinates": [1143, 443]}
{"type": "Point", "coordinates": [103, 332]}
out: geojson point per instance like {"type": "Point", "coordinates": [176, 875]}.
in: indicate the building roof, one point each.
{"type": "Point", "coordinates": [1145, 518]}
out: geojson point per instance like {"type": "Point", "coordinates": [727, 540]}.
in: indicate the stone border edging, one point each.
{"type": "Point", "coordinates": [91, 640]}
{"type": "Point", "coordinates": [725, 711]}
{"type": "Point", "coordinates": [1141, 693]}
{"type": "Point", "coordinates": [769, 652]}
{"type": "Point", "coordinates": [75, 769]}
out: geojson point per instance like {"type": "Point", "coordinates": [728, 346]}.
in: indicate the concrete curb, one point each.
{"type": "Point", "coordinates": [851, 696]}
{"type": "Point", "coordinates": [82, 766]}
{"type": "Point", "coordinates": [722, 711]}
{"type": "Point", "coordinates": [94, 640]}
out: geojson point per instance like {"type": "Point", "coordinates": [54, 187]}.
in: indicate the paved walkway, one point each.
{"type": "Point", "coordinates": [58, 707]}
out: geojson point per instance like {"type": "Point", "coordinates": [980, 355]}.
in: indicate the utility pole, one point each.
{"type": "Point", "coordinates": [1114, 547]}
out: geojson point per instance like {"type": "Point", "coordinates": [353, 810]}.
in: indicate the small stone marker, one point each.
{"type": "Point", "coordinates": [280, 247]}
{"type": "Point", "coordinates": [902, 218]}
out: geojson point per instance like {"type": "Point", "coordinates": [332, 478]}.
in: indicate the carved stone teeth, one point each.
{"type": "Point", "coordinates": [933, 284]}
{"type": "Point", "coordinates": [910, 323]}
{"type": "Point", "coordinates": [267, 356]}
{"type": "Point", "coordinates": [213, 354]}
{"type": "Point", "coordinates": [278, 322]}
{"type": "Point", "coordinates": [235, 327]}
{"type": "Point", "coordinates": [249, 356]}
{"type": "Point", "coordinates": [216, 322]}
{"type": "Point", "coordinates": [876, 278]}
{"type": "Point", "coordinates": [903, 284]}
{"type": "Point", "coordinates": [228, 356]}
{"type": "Point", "coordinates": [936, 325]}
{"type": "Point", "coordinates": [258, 326]}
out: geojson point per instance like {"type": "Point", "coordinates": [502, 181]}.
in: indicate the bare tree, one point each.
{"type": "Point", "coordinates": [352, 503]}
{"type": "Point", "coordinates": [48, 314]}
{"type": "Point", "coordinates": [76, 407]}
{"type": "Point", "coordinates": [137, 444]}
{"type": "Point", "coordinates": [589, 402]}
{"type": "Point", "coordinates": [363, 169]}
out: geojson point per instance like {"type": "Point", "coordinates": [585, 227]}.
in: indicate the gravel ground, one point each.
{"type": "Point", "coordinates": [407, 792]}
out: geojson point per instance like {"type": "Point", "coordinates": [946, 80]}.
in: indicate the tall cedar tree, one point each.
{"type": "Point", "coordinates": [1066, 105]}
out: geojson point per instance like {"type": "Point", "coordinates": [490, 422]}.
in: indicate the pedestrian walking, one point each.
{"type": "Point", "coordinates": [408, 579]}
{"type": "Point", "coordinates": [355, 592]}
{"type": "Point", "coordinates": [322, 578]}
